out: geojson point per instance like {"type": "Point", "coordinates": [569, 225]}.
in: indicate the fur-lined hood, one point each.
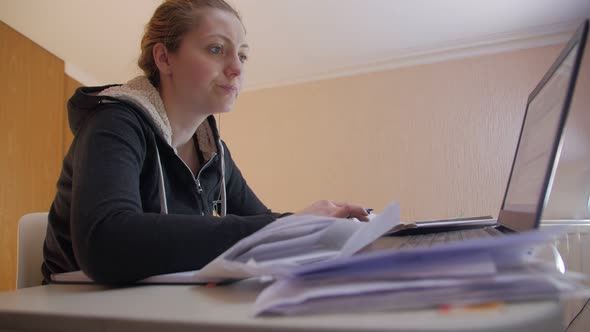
{"type": "Point", "coordinates": [141, 93]}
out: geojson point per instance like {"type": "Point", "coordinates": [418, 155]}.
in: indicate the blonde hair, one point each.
{"type": "Point", "coordinates": [170, 22]}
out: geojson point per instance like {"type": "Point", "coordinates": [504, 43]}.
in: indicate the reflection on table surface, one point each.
{"type": "Point", "coordinates": [573, 249]}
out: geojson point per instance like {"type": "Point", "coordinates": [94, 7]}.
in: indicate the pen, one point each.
{"type": "Point", "coordinates": [369, 211]}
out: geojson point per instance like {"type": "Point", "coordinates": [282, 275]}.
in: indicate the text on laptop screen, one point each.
{"type": "Point", "coordinates": [534, 154]}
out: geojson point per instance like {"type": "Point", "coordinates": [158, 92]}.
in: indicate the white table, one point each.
{"type": "Point", "coordinates": [229, 308]}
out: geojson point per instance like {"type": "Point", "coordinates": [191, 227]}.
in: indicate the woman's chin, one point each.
{"type": "Point", "coordinates": [224, 109]}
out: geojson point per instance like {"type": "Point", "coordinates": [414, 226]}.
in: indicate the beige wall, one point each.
{"type": "Point", "coordinates": [439, 137]}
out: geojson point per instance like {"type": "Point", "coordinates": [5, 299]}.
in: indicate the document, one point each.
{"type": "Point", "coordinates": [180, 278]}
{"type": "Point", "coordinates": [298, 241]}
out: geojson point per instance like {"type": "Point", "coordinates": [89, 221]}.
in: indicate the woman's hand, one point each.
{"type": "Point", "coordinates": [336, 209]}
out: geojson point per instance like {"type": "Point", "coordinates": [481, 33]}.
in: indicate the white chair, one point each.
{"type": "Point", "coordinates": [31, 234]}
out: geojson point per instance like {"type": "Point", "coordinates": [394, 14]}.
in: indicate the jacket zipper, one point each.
{"type": "Point", "coordinates": [197, 179]}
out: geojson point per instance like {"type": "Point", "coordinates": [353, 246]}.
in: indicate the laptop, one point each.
{"type": "Point", "coordinates": [535, 160]}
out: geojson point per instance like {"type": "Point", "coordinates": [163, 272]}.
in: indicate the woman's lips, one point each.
{"type": "Point", "coordinates": [228, 88]}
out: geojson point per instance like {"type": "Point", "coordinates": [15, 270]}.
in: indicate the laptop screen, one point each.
{"type": "Point", "coordinates": [538, 147]}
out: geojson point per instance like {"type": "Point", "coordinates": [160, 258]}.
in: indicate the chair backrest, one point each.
{"type": "Point", "coordinates": [31, 234]}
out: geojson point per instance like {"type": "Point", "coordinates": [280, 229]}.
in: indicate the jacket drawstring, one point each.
{"type": "Point", "coordinates": [222, 190]}
{"type": "Point", "coordinates": [162, 188]}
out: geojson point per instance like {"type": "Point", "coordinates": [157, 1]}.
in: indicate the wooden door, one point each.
{"type": "Point", "coordinates": [31, 137]}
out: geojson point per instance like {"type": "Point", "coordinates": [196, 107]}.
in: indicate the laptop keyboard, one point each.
{"type": "Point", "coordinates": [428, 240]}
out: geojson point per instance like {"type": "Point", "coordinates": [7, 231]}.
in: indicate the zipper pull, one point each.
{"type": "Point", "coordinates": [199, 188]}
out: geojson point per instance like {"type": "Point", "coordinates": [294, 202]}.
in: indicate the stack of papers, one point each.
{"type": "Point", "coordinates": [475, 271]}
{"type": "Point", "coordinates": [295, 241]}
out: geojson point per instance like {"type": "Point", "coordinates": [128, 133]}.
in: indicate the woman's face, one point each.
{"type": "Point", "coordinates": [207, 70]}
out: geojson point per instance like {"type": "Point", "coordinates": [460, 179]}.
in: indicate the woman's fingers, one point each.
{"type": "Point", "coordinates": [336, 209]}
{"type": "Point", "coordinates": [358, 212]}
{"type": "Point", "coordinates": [340, 212]}
{"type": "Point", "coordinates": [351, 211]}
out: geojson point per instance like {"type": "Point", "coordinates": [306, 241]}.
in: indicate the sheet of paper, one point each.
{"type": "Point", "coordinates": [371, 231]}
{"type": "Point", "coordinates": [280, 230]}
{"type": "Point", "coordinates": [188, 277]}
{"type": "Point", "coordinates": [477, 264]}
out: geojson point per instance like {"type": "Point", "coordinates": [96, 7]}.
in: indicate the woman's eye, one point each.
{"type": "Point", "coordinates": [215, 49]}
{"type": "Point", "coordinates": [243, 58]}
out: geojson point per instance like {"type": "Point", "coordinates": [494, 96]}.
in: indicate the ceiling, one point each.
{"type": "Point", "coordinates": [296, 41]}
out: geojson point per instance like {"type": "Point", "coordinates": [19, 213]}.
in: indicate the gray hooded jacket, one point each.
{"type": "Point", "coordinates": [128, 207]}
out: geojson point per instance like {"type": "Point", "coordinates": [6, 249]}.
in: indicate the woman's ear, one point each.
{"type": "Point", "coordinates": [161, 58]}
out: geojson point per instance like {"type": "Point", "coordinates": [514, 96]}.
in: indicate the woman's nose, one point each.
{"type": "Point", "coordinates": [233, 66]}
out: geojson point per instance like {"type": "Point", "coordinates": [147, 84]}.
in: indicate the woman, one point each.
{"type": "Point", "coordinates": [147, 170]}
